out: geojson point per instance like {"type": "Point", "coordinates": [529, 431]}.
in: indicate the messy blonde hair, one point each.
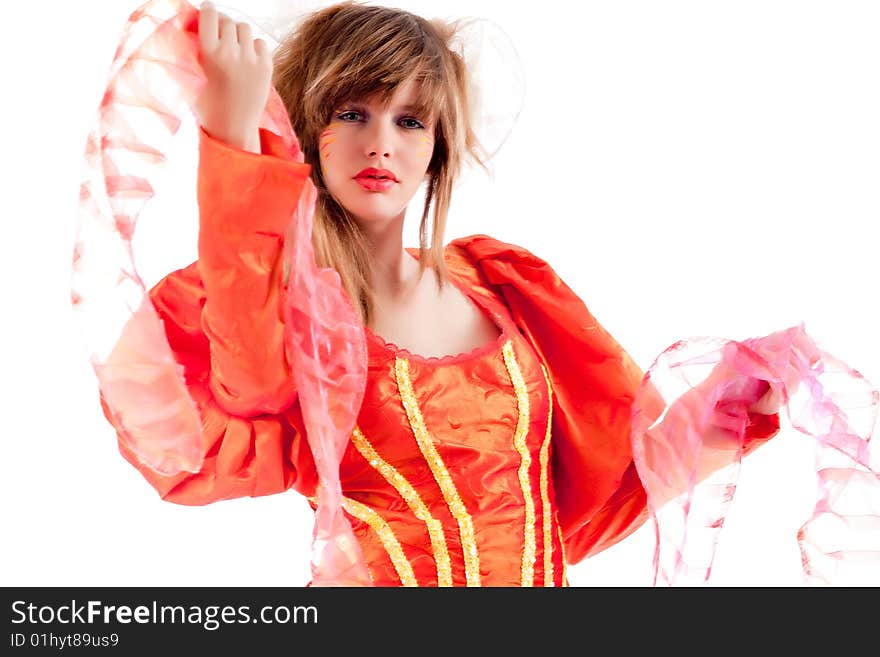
{"type": "Point", "coordinates": [351, 51]}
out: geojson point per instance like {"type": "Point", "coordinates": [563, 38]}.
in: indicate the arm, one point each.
{"type": "Point", "coordinates": [245, 203]}
{"type": "Point", "coordinates": [626, 510]}
{"type": "Point", "coordinates": [730, 408]}
{"type": "Point", "coordinates": [221, 316]}
{"type": "Point", "coordinates": [599, 496]}
{"type": "Point", "coordinates": [248, 189]}
{"type": "Point", "coordinates": [223, 320]}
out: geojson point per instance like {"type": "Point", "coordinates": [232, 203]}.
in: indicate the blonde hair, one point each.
{"type": "Point", "coordinates": [352, 51]}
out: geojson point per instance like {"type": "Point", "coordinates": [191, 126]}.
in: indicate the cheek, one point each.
{"type": "Point", "coordinates": [325, 142]}
{"type": "Point", "coordinates": [330, 157]}
{"type": "Point", "coordinates": [426, 146]}
{"type": "Point", "coordinates": [424, 150]}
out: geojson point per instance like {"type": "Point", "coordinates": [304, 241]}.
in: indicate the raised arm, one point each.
{"type": "Point", "coordinates": [248, 188]}
{"type": "Point", "coordinates": [222, 316]}
{"type": "Point", "coordinates": [245, 203]}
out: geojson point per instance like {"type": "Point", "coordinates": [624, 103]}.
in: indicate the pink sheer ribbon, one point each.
{"type": "Point", "coordinates": [155, 80]}
{"type": "Point", "coordinates": [711, 382]}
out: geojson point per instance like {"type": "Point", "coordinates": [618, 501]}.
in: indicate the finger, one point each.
{"type": "Point", "coordinates": [208, 24]}
{"type": "Point", "coordinates": [261, 48]}
{"type": "Point", "coordinates": [227, 30]}
{"type": "Point", "coordinates": [244, 34]}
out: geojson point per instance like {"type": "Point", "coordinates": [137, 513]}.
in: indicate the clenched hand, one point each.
{"type": "Point", "coordinates": [238, 69]}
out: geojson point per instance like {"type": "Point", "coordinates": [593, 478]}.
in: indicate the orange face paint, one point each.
{"type": "Point", "coordinates": [427, 144]}
{"type": "Point", "coordinates": [326, 139]}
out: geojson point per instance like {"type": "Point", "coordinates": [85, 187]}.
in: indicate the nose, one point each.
{"type": "Point", "coordinates": [379, 140]}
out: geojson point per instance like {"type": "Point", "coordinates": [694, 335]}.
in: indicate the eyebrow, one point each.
{"type": "Point", "coordinates": [402, 108]}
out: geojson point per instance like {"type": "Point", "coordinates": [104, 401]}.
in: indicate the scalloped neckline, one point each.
{"type": "Point", "coordinates": [479, 350]}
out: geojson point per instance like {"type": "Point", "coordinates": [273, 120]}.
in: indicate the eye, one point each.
{"type": "Point", "coordinates": [410, 121]}
{"type": "Point", "coordinates": [342, 116]}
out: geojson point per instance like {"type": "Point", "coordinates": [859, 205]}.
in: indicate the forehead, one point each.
{"type": "Point", "coordinates": [407, 92]}
{"type": "Point", "coordinates": [404, 96]}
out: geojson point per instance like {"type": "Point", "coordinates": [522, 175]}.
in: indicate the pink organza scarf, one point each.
{"type": "Point", "coordinates": [826, 400]}
{"type": "Point", "coordinates": [154, 82]}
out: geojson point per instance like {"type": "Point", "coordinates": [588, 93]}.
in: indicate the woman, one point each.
{"type": "Point", "coordinates": [492, 441]}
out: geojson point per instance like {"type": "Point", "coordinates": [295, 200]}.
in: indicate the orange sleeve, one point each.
{"type": "Point", "coordinates": [246, 201]}
{"type": "Point", "coordinates": [599, 496]}
{"type": "Point", "coordinates": [626, 510]}
{"type": "Point", "coordinates": [243, 456]}
{"type": "Point", "coordinates": [222, 317]}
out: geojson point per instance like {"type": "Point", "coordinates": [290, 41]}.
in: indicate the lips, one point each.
{"type": "Point", "coordinates": [376, 180]}
{"type": "Point", "coordinates": [376, 174]}
{"type": "Point", "coordinates": [375, 184]}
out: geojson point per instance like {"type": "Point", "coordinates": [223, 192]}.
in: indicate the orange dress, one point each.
{"type": "Point", "coordinates": [495, 467]}
{"type": "Point", "coordinates": [448, 471]}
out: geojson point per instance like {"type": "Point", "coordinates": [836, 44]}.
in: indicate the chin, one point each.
{"type": "Point", "coordinates": [370, 209]}
{"type": "Point", "coordinates": [367, 219]}
{"type": "Point", "coordinates": [373, 213]}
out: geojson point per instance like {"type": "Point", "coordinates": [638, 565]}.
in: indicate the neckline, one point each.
{"type": "Point", "coordinates": [448, 359]}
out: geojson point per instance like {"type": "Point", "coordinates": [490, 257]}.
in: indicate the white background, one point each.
{"type": "Point", "coordinates": [689, 168]}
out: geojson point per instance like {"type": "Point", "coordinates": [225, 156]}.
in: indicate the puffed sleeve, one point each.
{"type": "Point", "coordinates": [223, 321]}
{"type": "Point", "coordinates": [599, 496]}
{"type": "Point", "coordinates": [590, 522]}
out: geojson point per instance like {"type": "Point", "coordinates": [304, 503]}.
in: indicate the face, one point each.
{"type": "Point", "coordinates": [389, 139]}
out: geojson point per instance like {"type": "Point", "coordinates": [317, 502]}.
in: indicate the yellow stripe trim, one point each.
{"type": "Point", "coordinates": [389, 541]}
{"type": "Point", "coordinates": [527, 577]}
{"type": "Point", "coordinates": [546, 511]}
{"type": "Point", "coordinates": [441, 474]}
{"type": "Point", "coordinates": [412, 498]}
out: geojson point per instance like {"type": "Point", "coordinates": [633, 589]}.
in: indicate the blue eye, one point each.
{"type": "Point", "coordinates": [407, 122]}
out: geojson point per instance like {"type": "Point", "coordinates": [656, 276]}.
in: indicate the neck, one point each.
{"type": "Point", "coordinates": [395, 272]}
